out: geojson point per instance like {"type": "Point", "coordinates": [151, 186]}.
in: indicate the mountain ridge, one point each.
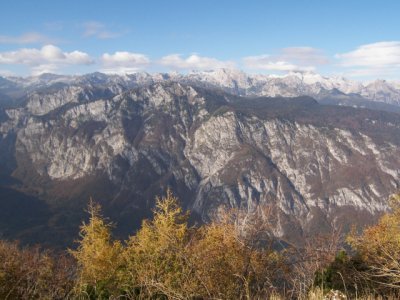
{"type": "Point", "coordinates": [315, 164]}
{"type": "Point", "coordinates": [293, 84]}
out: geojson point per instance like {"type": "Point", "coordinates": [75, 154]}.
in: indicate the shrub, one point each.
{"type": "Point", "coordinates": [30, 273]}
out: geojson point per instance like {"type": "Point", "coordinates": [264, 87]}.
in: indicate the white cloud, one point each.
{"type": "Point", "coordinates": [124, 62]}
{"type": "Point", "coordinates": [78, 58]}
{"type": "Point", "coordinates": [194, 62]}
{"type": "Point", "coordinates": [304, 55]}
{"type": "Point", "coordinates": [268, 63]}
{"type": "Point", "coordinates": [27, 38]}
{"type": "Point", "coordinates": [98, 30]}
{"type": "Point", "coordinates": [287, 59]}
{"type": "Point", "coordinates": [48, 58]}
{"type": "Point", "coordinates": [377, 59]}
{"type": "Point", "coordinates": [372, 55]}
{"type": "Point", "coordinates": [46, 68]}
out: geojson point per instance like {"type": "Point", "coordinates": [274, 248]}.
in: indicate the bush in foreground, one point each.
{"type": "Point", "coordinates": [233, 257]}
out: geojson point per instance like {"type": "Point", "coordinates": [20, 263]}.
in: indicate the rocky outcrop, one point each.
{"type": "Point", "coordinates": [313, 164]}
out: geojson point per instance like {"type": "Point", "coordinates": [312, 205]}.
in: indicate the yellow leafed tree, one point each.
{"type": "Point", "coordinates": [98, 258]}
{"type": "Point", "coordinates": [157, 257]}
{"type": "Point", "coordinates": [379, 248]}
{"type": "Point", "coordinates": [232, 259]}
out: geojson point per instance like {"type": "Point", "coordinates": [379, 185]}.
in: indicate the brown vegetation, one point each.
{"type": "Point", "coordinates": [234, 257]}
{"type": "Point", "coordinates": [34, 274]}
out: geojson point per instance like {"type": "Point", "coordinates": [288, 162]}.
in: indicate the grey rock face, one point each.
{"type": "Point", "coordinates": [306, 160]}
{"type": "Point", "coordinates": [236, 82]}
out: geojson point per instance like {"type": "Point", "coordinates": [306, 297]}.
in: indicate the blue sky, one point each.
{"type": "Point", "coordinates": [354, 38]}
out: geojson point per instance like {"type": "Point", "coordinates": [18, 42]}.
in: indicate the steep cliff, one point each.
{"type": "Point", "coordinates": [317, 166]}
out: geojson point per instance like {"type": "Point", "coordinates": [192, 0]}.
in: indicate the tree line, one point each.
{"type": "Point", "coordinates": [234, 257]}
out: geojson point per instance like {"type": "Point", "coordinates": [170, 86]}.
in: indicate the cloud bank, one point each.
{"type": "Point", "coordinates": [287, 59]}
{"type": "Point", "coordinates": [49, 58]}
{"type": "Point", "coordinates": [194, 62]}
{"type": "Point", "coordinates": [380, 59]}
{"type": "Point", "coordinates": [376, 59]}
{"type": "Point", "coordinates": [123, 62]}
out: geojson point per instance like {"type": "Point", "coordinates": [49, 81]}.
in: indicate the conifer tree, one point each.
{"type": "Point", "coordinates": [157, 256]}
{"type": "Point", "coordinates": [232, 261]}
{"type": "Point", "coordinates": [98, 258]}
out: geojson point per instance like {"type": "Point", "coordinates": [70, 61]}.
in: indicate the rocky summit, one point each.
{"type": "Point", "coordinates": [124, 140]}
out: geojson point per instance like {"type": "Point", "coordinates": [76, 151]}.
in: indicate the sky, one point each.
{"type": "Point", "coordinates": [353, 38]}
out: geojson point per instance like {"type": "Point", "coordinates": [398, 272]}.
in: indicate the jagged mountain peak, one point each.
{"type": "Point", "coordinates": [231, 78]}
{"type": "Point", "coordinates": [234, 81]}
{"type": "Point", "coordinates": [379, 84]}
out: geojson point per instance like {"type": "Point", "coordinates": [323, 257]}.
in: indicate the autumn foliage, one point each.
{"type": "Point", "coordinates": [234, 257]}
{"type": "Point", "coordinates": [378, 252]}
{"type": "Point", "coordinates": [34, 274]}
{"type": "Point", "coordinates": [98, 258]}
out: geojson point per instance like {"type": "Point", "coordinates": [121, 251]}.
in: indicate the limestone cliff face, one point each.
{"type": "Point", "coordinates": [310, 162]}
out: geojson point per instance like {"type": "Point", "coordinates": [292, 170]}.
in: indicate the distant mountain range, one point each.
{"type": "Point", "coordinates": [216, 138]}
{"type": "Point", "coordinates": [337, 90]}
